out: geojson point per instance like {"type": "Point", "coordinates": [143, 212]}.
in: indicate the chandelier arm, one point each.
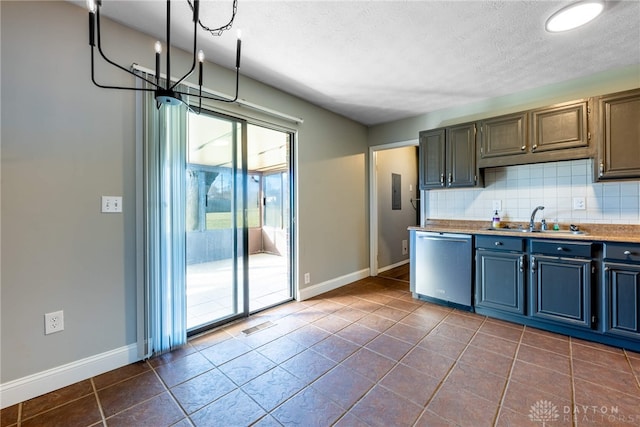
{"type": "Point", "coordinates": [213, 97]}
{"type": "Point", "coordinates": [193, 66]}
{"type": "Point", "coordinates": [112, 62]}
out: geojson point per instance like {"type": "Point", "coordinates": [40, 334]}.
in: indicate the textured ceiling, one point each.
{"type": "Point", "coordinates": [378, 61]}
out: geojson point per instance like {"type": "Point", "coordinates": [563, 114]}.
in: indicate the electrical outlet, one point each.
{"type": "Point", "coordinates": [578, 204]}
{"type": "Point", "coordinates": [405, 247]}
{"type": "Point", "coordinates": [497, 205]}
{"type": "Point", "coordinates": [53, 322]}
{"type": "Point", "coordinates": [307, 278]}
{"type": "Point", "coordinates": [111, 204]}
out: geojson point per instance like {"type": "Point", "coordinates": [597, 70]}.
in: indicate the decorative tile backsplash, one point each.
{"type": "Point", "coordinates": [552, 185]}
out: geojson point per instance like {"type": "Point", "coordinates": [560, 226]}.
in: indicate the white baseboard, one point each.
{"type": "Point", "coordinates": [392, 266]}
{"type": "Point", "coordinates": [332, 284]}
{"type": "Point", "coordinates": [31, 386]}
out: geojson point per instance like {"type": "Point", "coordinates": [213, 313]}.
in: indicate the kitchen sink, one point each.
{"type": "Point", "coordinates": [526, 230]}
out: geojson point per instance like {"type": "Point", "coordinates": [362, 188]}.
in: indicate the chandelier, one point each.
{"type": "Point", "coordinates": [166, 92]}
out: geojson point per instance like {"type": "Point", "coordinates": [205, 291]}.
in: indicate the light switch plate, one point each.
{"type": "Point", "coordinates": [111, 204]}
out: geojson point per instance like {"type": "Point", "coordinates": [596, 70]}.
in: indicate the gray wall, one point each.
{"type": "Point", "coordinates": [65, 143]}
{"type": "Point", "coordinates": [392, 224]}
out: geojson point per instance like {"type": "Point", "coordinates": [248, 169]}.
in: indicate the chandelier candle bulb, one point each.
{"type": "Point", "coordinates": [200, 61]}
{"type": "Point", "coordinates": [238, 48]}
{"type": "Point", "coordinates": [91, 5]}
{"type": "Point", "coordinates": [158, 48]}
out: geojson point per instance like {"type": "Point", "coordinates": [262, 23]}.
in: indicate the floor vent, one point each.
{"type": "Point", "coordinates": [259, 327]}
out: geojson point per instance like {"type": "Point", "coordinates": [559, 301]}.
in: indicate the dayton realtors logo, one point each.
{"type": "Point", "coordinates": [544, 411]}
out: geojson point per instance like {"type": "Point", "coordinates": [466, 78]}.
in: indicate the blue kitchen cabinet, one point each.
{"type": "Point", "coordinates": [561, 283]}
{"type": "Point", "coordinates": [500, 274]}
{"type": "Point", "coordinates": [621, 291]}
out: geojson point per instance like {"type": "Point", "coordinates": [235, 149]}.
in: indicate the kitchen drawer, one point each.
{"type": "Point", "coordinates": [622, 252]}
{"type": "Point", "coordinates": [500, 243]}
{"type": "Point", "coordinates": [561, 248]}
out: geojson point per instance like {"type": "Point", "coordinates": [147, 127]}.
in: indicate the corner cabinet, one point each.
{"type": "Point", "coordinates": [618, 136]}
{"type": "Point", "coordinates": [447, 157]}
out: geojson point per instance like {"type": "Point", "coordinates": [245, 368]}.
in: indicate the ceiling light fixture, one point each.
{"type": "Point", "coordinates": [574, 15]}
{"type": "Point", "coordinates": [167, 93]}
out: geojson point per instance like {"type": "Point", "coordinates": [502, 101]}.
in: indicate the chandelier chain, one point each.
{"type": "Point", "coordinates": [218, 31]}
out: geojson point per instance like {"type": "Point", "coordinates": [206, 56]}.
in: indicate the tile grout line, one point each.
{"type": "Point", "coordinates": [99, 402]}
{"type": "Point", "coordinates": [396, 363]}
{"type": "Point", "coordinates": [168, 390]}
{"type": "Point", "coordinates": [506, 385]}
{"type": "Point", "coordinates": [448, 373]}
{"type": "Point", "coordinates": [573, 383]}
{"type": "Point", "coordinates": [633, 371]}
{"type": "Point", "coordinates": [19, 422]}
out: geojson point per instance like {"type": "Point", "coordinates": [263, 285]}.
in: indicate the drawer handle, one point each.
{"type": "Point", "coordinates": [498, 243]}
{"type": "Point", "coordinates": [560, 249]}
{"type": "Point", "coordinates": [627, 253]}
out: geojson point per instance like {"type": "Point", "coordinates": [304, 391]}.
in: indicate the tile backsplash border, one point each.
{"type": "Point", "coordinates": [553, 185]}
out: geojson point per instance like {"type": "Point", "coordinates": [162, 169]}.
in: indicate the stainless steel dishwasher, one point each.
{"type": "Point", "coordinates": [441, 267]}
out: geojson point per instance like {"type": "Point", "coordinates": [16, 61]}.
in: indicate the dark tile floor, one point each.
{"type": "Point", "coordinates": [363, 355]}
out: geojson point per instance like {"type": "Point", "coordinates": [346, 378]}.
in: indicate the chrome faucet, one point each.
{"type": "Point", "coordinates": [532, 224]}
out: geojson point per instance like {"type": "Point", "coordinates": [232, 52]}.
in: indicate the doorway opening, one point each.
{"type": "Point", "coordinates": [238, 219]}
{"type": "Point", "coordinates": [394, 205]}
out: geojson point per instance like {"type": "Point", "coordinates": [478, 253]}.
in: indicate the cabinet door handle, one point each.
{"type": "Point", "coordinates": [498, 243]}
{"type": "Point", "coordinates": [442, 179]}
{"type": "Point", "coordinates": [450, 178]}
{"type": "Point", "coordinates": [522, 263]}
{"type": "Point", "coordinates": [524, 147]}
{"type": "Point", "coordinates": [534, 146]}
{"type": "Point", "coordinates": [627, 253]}
{"type": "Point", "coordinates": [560, 249]}
{"type": "Point", "coordinates": [533, 264]}
{"type": "Point", "coordinates": [601, 169]}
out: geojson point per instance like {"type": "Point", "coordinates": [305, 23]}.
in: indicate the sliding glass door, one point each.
{"type": "Point", "coordinates": [238, 257]}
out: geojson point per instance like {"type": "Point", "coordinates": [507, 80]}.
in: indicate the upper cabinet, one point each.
{"type": "Point", "coordinates": [606, 128]}
{"type": "Point", "coordinates": [618, 135]}
{"type": "Point", "coordinates": [447, 157]}
{"type": "Point", "coordinates": [560, 127]}
{"type": "Point", "coordinates": [504, 136]}
{"type": "Point", "coordinates": [432, 159]}
{"type": "Point", "coordinates": [558, 132]}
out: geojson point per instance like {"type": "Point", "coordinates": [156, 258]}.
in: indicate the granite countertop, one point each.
{"type": "Point", "coordinates": [625, 233]}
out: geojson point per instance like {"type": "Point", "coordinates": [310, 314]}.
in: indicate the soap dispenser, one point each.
{"type": "Point", "coordinates": [495, 223]}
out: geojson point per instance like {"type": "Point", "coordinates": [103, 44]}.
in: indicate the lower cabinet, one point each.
{"type": "Point", "coordinates": [552, 285]}
{"type": "Point", "coordinates": [621, 290]}
{"type": "Point", "coordinates": [622, 300]}
{"type": "Point", "coordinates": [500, 277]}
{"type": "Point", "coordinates": [561, 290]}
